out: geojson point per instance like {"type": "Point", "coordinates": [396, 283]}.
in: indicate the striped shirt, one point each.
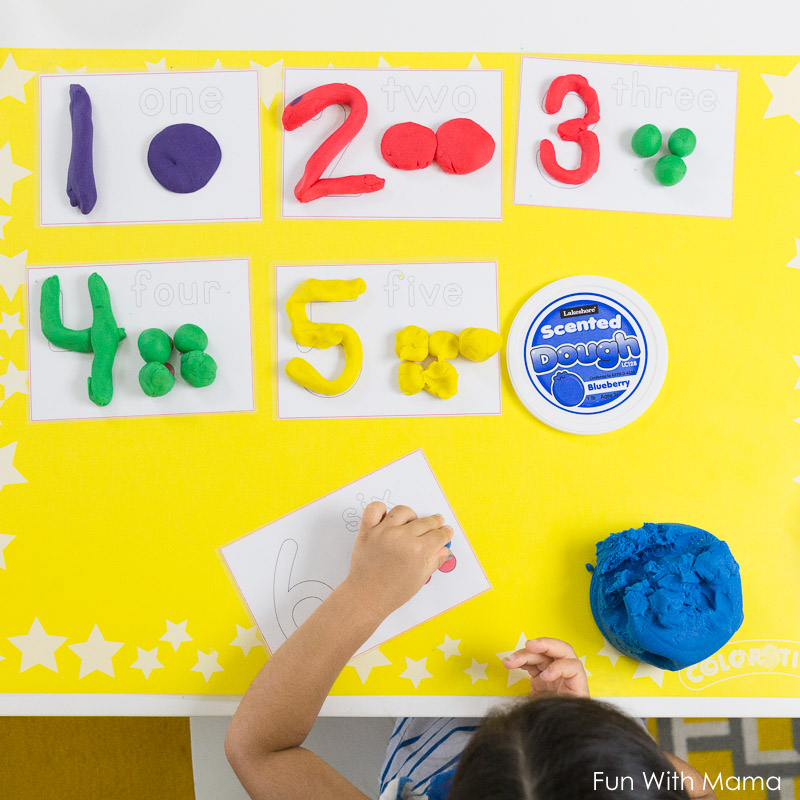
{"type": "Point", "coordinates": [422, 754]}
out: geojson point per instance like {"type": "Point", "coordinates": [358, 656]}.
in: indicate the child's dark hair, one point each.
{"type": "Point", "coordinates": [550, 749]}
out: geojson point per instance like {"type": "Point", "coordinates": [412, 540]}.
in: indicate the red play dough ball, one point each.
{"type": "Point", "coordinates": [170, 368]}
{"type": "Point", "coordinates": [408, 146]}
{"type": "Point", "coordinates": [463, 146]}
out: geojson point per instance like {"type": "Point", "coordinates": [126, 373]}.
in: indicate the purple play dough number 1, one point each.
{"type": "Point", "coordinates": [81, 188]}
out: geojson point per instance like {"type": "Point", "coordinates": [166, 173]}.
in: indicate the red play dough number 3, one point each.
{"type": "Point", "coordinates": [573, 130]}
{"type": "Point", "coordinates": [311, 186]}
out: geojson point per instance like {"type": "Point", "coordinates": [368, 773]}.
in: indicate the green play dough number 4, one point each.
{"type": "Point", "coordinates": [102, 338]}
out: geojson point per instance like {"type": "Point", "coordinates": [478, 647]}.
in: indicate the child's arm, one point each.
{"type": "Point", "coordinates": [393, 556]}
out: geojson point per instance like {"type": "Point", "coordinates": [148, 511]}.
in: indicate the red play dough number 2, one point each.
{"type": "Point", "coordinates": [311, 186]}
{"type": "Point", "coordinates": [573, 130]}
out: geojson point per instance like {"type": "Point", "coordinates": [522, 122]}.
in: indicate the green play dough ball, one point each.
{"type": "Point", "coordinates": [198, 368]}
{"type": "Point", "coordinates": [155, 379]}
{"type": "Point", "coordinates": [646, 141]}
{"type": "Point", "coordinates": [682, 142]}
{"type": "Point", "coordinates": [670, 170]}
{"type": "Point", "coordinates": [190, 337]}
{"type": "Point", "coordinates": [155, 345]}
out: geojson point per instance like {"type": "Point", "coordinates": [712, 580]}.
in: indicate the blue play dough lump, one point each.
{"type": "Point", "coordinates": [666, 594]}
{"type": "Point", "coordinates": [183, 158]}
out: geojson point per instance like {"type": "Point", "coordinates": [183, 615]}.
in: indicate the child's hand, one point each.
{"type": "Point", "coordinates": [553, 666]}
{"type": "Point", "coordinates": [396, 553]}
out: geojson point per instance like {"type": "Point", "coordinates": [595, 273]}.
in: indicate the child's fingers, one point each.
{"type": "Point", "coordinates": [443, 555]}
{"type": "Point", "coordinates": [423, 525]}
{"type": "Point", "coordinates": [555, 648]}
{"type": "Point", "coordinates": [438, 537]}
{"type": "Point", "coordinates": [400, 515]}
{"type": "Point", "coordinates": [524, 658]}
{"type": "Point", "coordinates": [569, 670]}
{"type": "Point", "coordinates": [373, 514]}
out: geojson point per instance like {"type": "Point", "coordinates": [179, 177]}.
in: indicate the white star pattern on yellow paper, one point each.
{"type": "Point", "coordinates": [5, 540]}
{"type": "Point", "coordinates": [795, 262]}
{"type": "Point", "coordinates": [207, 664]}
{"type": "Point", "coordinates": [610, 652]}
{"type": "Point", "coordinates": [13, 79]}
{"type": "Point", "coordinates": [449, 647]}
{"type": "Point", "coordinates": [38, 648]}
{"type": "Point", "coordinates": [415, 671]}
{"type": "Point", "coordinates": [3, 221]}
{"type": "Point", "coordinates": [515, 675]}
{"type": "Point", "coordinates": [10, 323]}
{"type": "Point", "coordinates": [474, 63]}
{"type": "Point", "coordinates": [649, 671]}
{"type": "Point", "coordinates": [14, 381]}
{"type": "Point", "coordinates": [785, 94]}
{"type": "Point", "coordinates": [9, 474]}
{"type": "Point", "coordinates": [270, 81]}
{"type": "Point", "coordinates": [10, 173]}
{"type": "Point", "coordinates": [13, 273]}
{"type": "Point", "coordinates": [216, 68]}
{"type": "Point", "coordinates": [147, 661]}
{"type": "Point", "coordinates": [95, 654]}
{"type": "Point", "coordinates": [62, 71]}
{"type": "Point", "coordinates": [176, 634]}
{"type": "Point", "coordinates": [477, 671]}
{"type": "Point", "coordinates": [157, 66]}
{"type": "Point", "coordinates": [582, 659]}
{"type": "Point", "coordinates": [366, 662]}
{"type": "Point", "coordinates": [247, 639]}
{"type": "Point", "coordinates": [797, 361]}
{"type": "Point", "coordinates": [384, 64]}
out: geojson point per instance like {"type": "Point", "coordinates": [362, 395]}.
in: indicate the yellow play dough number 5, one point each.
{"type": "Point", "coordinates": [323, 335]}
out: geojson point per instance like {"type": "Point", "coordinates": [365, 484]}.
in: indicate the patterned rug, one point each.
{"type": "Point", "coordinates": [752, 755]}
{"type": "Point", "coordinates": [139, 759]}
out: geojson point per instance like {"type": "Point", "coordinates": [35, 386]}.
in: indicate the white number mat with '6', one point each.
{"type": "Point", "coordinates": [287, 568]}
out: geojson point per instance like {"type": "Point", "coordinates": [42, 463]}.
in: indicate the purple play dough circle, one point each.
{"type": "Point", "coordinates": [183, 158]}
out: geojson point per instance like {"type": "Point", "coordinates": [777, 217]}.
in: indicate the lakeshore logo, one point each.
{"type": "Point", "coordinates": [742, 658]}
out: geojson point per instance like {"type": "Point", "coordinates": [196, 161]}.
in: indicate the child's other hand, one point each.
{"type": "Point", "coordinates": [396, 553]}
{"type": "Point", "coordinates": [553, 666]}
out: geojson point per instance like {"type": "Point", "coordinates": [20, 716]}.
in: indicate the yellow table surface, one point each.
{"type": "Point", "coordinates": [117, 522]}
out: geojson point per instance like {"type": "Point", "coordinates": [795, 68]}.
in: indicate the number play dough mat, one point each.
{"type": "Point", "coordinates": [115, 519]}
{"type": "Point", "coordinates": [311, 550]}
{"type": "Point", "coordinates": [213, 295]}
{"type": "Point", "coordinates": [434, 297]}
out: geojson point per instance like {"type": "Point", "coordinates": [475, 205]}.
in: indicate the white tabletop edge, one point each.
{"type": "Point", "coordinates": [174, 705]}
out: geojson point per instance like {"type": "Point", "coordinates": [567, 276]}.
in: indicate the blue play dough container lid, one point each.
{"type": "Point", "coordinates": [666, 594]}
{"type": "Point", "coordinates": [587, 354]}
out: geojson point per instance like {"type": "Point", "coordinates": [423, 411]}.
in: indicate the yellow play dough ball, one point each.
{"type": "Point", "coordinates": [441, 379]}
{"type": "Point", "coordinates": [478, 344]}
{"type": "Point", "coordinates": [409, 377]}
{"type": "Point", "coordinates": [443, 344]}
{"type": "Point", "coordinates": [411, 343]}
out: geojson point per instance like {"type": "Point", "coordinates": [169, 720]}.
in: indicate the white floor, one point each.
{"type": "Point", "coordinates": [353, 745]}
